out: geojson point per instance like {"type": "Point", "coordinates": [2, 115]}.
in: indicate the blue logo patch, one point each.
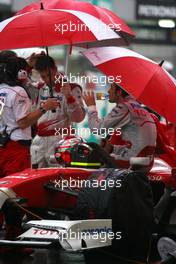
{"type": "Point", "coordinates": [44, 98]}
{"type": "Point", "coordinates": [97, 230]}
{"type": "Point", "coordinates": [136, 105]}
{"type": "Point", "coordinates": [59, 98]}
{"type": "Point", "coordinates": [3, 94]}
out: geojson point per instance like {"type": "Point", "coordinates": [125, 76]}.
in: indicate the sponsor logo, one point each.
{"type": "Point", "coordinates": [4, 182]}
{"type": "Point", "coordinates": [97, 230]}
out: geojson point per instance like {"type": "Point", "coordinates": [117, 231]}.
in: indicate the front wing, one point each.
{"type": "Point", "coordinates": [68, 235]}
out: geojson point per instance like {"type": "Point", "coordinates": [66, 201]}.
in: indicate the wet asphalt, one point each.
{"type": "Point", "coordinates": [53, 256]}
{"type": "Point", "coordinates": [42, 256]}
{"type": "Point", "coordinates": [60, 256]}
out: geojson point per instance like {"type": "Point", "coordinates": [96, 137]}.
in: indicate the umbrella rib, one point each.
{"type": "Point", "coordinates": [149, 83]}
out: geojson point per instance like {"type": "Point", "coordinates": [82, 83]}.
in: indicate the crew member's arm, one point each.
{"type": "Point", "coordinates": [75, 107]}
{"type": "Point", "coordinates": [21, 109]}
{"type": "Point", "coordinates": [118, 117]}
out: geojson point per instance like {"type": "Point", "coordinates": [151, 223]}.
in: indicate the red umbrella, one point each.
{"type": "Point", "coordinates": [46, 27]}
{"type": "Point", "coordinates": [103, 14]}
{"type": "Point", "coordinates": [141, 77]}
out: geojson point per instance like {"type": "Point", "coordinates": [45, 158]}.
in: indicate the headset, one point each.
{"type": "Point", "coordinates": [18, 72]}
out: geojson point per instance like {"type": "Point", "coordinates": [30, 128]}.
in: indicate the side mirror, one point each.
{"type": "Point", "coordinates": [141, 164]}
{"type": "Point", "coordinates": [140, 161]}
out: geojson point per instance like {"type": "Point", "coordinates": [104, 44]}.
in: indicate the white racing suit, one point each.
{"type": "Point", "coordinates": [138, 130]}
{"type": "Point", "coordinates": [52, 127]}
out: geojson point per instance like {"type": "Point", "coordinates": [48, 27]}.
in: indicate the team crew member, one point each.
{"type": "Point", "coordinates": [16, 118]}
{"type": "Point", "coordinates": [52, 126]}
{"type": "Point", "coordinates": [138, 130]}
{"type": "Point", "coordinates": [24, 76]}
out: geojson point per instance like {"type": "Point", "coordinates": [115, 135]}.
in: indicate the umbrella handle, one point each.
{"type": "Point", "coordinates": [50, 81]}
{"type": "Point", "coordinates": [66, 59]}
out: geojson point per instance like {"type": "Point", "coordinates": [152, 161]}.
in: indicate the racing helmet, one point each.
{"type": "Point", "coordinates": [73, 151]}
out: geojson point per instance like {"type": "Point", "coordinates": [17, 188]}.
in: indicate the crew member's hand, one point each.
{"type": "Point", "coordinates": [89, 98]}
{"type": "Point", "coordinates": [108, 147]}
{"type": "Point", "coordinates": [66, 90]}
{"type": "Point", "coordinates": [50, 104]}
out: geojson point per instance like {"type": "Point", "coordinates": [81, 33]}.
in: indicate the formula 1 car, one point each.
{"type": "Point", "coordinates": [48, 188]}
{"type": "Point", "coordinates": [102, 228]}
{"type": "Point", "coordinates": [57, 188]}
{"type": "Point", "coordinates": [46, 192]}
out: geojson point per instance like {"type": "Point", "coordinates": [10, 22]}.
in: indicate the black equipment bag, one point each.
{"type": "Point", "coordinates": [129, 203]}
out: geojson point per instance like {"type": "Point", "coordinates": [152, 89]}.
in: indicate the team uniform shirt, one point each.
{"type": "Point", "coordinates": [138, 130]}
{"type": "Point", "coordinates": [69, 110]}
{"type": "Point", "coordinates": [17, 106]}
{"type": "Point", "coordinates": [51, 125]}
